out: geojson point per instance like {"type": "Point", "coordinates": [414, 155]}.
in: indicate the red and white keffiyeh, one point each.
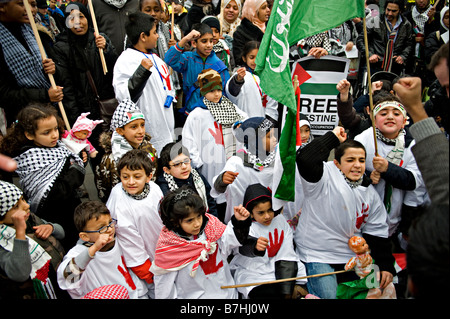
{"type": "Point", "coordinates": [174, 252]}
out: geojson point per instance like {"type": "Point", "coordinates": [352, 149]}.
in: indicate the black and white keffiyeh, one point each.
{"type": "Point", "coordinates": [10, 196]}
{"type": "Point", "coordinates": [141, 195]}
{"type": "Point", "coordinates": [119, 4]}
{"type": "Point", "coordinates": [223, 112]}
{"type": "Point", "coordinates": [38, 168]}
{"type": "Point", "coordinates": [25, 66]}
{"type": "Point", "coordinates": [126, 112]}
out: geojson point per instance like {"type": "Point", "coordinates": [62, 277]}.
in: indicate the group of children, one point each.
{"type": "Point", "coordinates": [184, 218]}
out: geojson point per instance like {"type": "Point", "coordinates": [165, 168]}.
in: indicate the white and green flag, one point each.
{"type": "Point", "coordinates": [291, 21]}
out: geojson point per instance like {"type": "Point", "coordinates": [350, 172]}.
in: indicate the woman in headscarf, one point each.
{"type": "Point", "coordinates": [229, 16]}
{"type": "Point", "coordinates": [255, 14]}
{"type": "Point", "coordinates": [77, 55]}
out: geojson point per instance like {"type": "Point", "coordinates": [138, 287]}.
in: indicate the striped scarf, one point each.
{"type": "Point", "coordinates": [26, 67]}
{"type": "Point", "coordinates": [173, 252]}
{"type": "Point", "coordinates": [388, 55]}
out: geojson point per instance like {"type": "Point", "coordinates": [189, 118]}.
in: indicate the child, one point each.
{"type": "Point", "coordinates": [191, 63]}
{"type": "Point", "coordinates": [155, 8]}
{"type": "Point", "coordinates": [196, 266]}
{"type": "Point", "coordinates": [144, 78]}
{"type": "Point", "coordinates": [292, 210]}
{"type": "Point", "coordinates": [127, 132]}
{"type": "Point", "coordinates": [394, 170]}
{"type": "Point", "coordinates": [220, 46]}
{"type": "Point", "coordinates": [180, 13]}
{"type": "Point", "coordinates": [77, 138]}
{"type": "Point", "coordinates": [208, 131]}
{"type": "Point", "coordinates": [29, 249]}
{"type": "Point", "coordinates": [175, 170]}
{"type": "Point", "coordinates": [134, 203]}
{"type": "Point", "coordinates": [96, 260]}
{"type": "Point", "coordinates": [243, 88]}
{"type": "Point", "coordinates": [252, 164]}
{"type": "Point", "coordinates": [278, 259]}
{"type": "Point", "coordinates": [49, 173]}
{"type": "Point", "coordinates": [23, 76]}
{"type": "Point", "coordinates": [350, 207]}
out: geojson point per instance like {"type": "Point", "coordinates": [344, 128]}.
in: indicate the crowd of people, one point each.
{"type": "Point", "coordinates": [160, 100]}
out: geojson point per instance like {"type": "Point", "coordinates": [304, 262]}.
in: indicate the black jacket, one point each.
{"type": "Point", "coordinates": [71, 75]}
{"type": "Point", "coordinates": [245, 32]}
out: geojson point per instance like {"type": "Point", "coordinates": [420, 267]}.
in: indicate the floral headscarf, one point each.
{"type": "Point", "coordinates": [229, 28]}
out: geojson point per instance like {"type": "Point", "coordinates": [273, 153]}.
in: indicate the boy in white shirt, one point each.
{"type": "Point", "coordinates": [96, 260]}
{"type": "Point", "coordinates": [134, 202]}
{"type": "Point", "coordinates": [144, 78]}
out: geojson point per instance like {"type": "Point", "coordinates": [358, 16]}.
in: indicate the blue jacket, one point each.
{"type": "Point", "coordinates": [190, 64]}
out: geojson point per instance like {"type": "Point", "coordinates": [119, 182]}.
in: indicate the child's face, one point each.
{"type": "Point", "coordinates": [204, 45]}
{"type": "Point", "coordinates": [134, 181]}
{"type": "Point", "coordinates": [305, 132]}
{"type": "Point", "coordinates": [250, 58]}
{"type": "Point", "coordinates": [101, 224]}
{"type": "Point", "coordinates": [216, 35]}
{"type": "Point", "coordinates": [270, 141]}
{"type": "Point", "coordinates": [78, 23]}
{"type": "Point", "coordinates": [177, 8]}
{"type": "Point", "coordinates": [353, 163]}
{"type": "Point", "coordinates": [390, 121]}
{"type": "Point", "coordinates": [179, 167]}
{"type": "Point", "coordinates": [264, 12]}
{"type": "Point", "coordinates": [14, 11]}
{"type": "Point", "coordinates": [21, 205]}
{"type": "Point", "coordinates": [46, 134]}
{"type": "Point", "coordinates": [153, 8]}
{"type": "Point", "coordinates": [231, 11]}
{"type": "Point", "coordinates": [133, 132]}
{"type": "Point", "coordinates": [151, 41]}
{"type": "Point", "coordinates": [263, 213]}
{"type": "Point", "coordinates": [82, 135]}
{"type": "Point", "coordinates": [192, 224]}
{"type": "Point", "coordinates": [214, 96]}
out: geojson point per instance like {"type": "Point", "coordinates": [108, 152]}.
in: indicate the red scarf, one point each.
{"type": "Point", "coordinates": [174, 252]}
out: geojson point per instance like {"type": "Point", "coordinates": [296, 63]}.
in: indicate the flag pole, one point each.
{"type": "Point", "coordinates": [283, 280]}
{"type": "Point", "coordinates": [297, 125]}
{"type": "Point", "coordinates": [44, 56]}
{"type": "Point", "coordinates": [94, 22]}
{"type": "Point", "coordinates": [369, 84]}
{"type": "Point", "coordinates": [173, 22]}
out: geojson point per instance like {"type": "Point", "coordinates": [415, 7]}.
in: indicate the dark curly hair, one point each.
{"type": "Point", "coordinates": [178, 204]}
{"type": "Point", "coordinates": [27, 122]}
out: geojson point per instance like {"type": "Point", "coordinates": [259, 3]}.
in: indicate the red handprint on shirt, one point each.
{"type": "Point", "coordinates": [209, 266]}
{"type": "Point", "coordinates": [362, 217]}
{"type": "Point", "coordinates": [275, 243]}
{"type": "Point", "coordinates": [218, 137]}
{"type": "Point", "coordinates": [126, 274]}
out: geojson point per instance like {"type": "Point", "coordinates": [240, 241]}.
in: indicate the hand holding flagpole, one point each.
{"type": "Point", "coordinates": [44, 56]}
{"type": "Point", "coordinates": [94, 22]}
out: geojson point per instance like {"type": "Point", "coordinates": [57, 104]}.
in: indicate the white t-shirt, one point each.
{"type": "Point", "coordinates": [332, 213]}
{"type": "Point", "coordinates": [260, 269]}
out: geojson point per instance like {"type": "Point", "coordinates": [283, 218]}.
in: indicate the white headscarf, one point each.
{"type": "Point", "coordinates": [229, 28]}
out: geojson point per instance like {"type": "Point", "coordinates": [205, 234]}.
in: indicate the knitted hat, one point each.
{"type": "Point", "coordinates": [304, 121]}
{"type": "Point", "coordinates": [252, 131]}
{"type": "Point", "coordinates": [208, 81]}
{"type": "Point", "coordinates": [212, 21]}
{"type": "Point", "coordinates": [255, 192]}
{"type": "Point", "coordinates": [125, 113]}
{"type": "Point", "coordinates": [83, 123]}
{"type": "Point", "coordinates": [399, 106]}
{"type": "Point", "coordinates": [10, 196]}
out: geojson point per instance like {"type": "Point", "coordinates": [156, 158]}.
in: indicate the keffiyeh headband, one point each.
{"type": "Point", "coordinates": [125, 113]}
{"type": "Point", "coordinates": [399, 106]}
{"type": "Point", "coordinates": [10, 196]}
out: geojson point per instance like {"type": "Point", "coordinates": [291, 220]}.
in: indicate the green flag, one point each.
{"type": "Point", "coordinates": [290, 21]}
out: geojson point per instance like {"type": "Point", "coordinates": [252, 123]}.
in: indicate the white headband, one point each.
{"type": "Point", "coordinates": [385, 104]}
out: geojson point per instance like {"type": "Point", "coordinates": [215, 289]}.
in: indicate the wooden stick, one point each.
{"type": "Point", "coordinates": [369, 84]}
{"type": "Point", "coordinates": [173, 23]}
{"type": "Point", "coordinates": [283, 280]}
{"type": "Point", "coordinates": [94, 22]}
{"type": "Point", "coordinates": [44, 56]}
{"type": "Point", "coordinates": [435, 4]}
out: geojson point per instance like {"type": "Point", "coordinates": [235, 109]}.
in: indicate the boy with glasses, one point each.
{"type": "Point", "coordinates": [175, 170]}
{"type": "Point", "coordinates": [96, 260]}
